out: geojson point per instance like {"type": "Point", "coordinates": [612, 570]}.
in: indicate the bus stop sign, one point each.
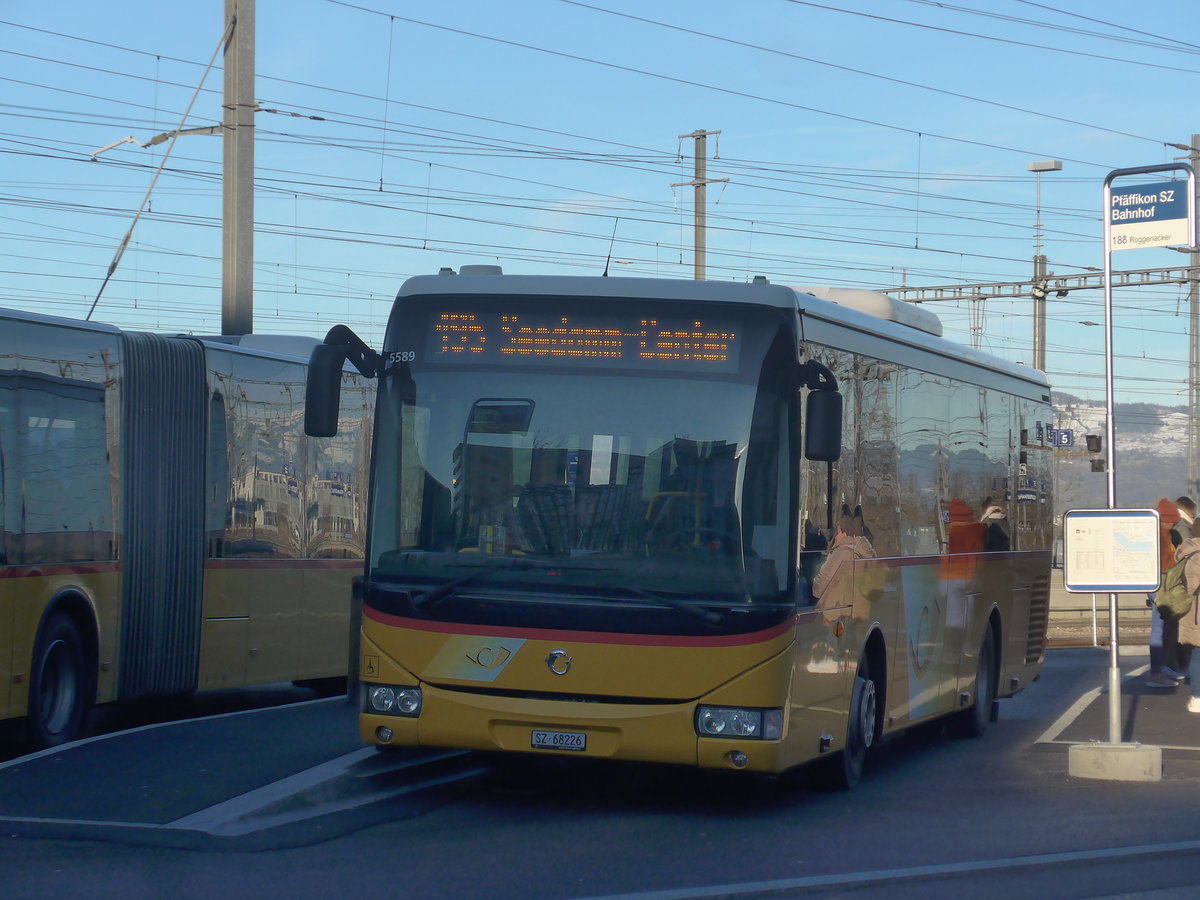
{"type": "Point", "coordinates": [1149, 215]}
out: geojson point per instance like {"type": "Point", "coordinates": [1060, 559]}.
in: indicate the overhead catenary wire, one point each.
{"type": "Point", "coordinates": [815, 204]}
{"type": "Point", "coordinates": [112, 267]}
{"type": "Point", "coordinates": [989, 37]}
{"type": "Point", "coordinates": [844, 68]}
{"type": "Point", "coordinates": [360, 7]}
{"type": "Point", "coordinates": [745, 95]}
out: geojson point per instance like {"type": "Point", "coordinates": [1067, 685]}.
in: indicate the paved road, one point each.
{"type": "Point", "coordinates": [284, 803]}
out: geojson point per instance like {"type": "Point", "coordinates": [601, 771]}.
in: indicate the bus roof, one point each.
{"type": "Point", "coordinates": [862, 311]}
{"type": "Point", "coordinates": [60, 321]}
{"type": "Point", "coordinates": [291, 346]}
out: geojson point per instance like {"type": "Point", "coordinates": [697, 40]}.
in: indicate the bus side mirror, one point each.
{"type": "Point", "coordinates": [323, 390]}
{"type": "Point", "coordinates": [823, 426]}
{"type": "Point", "coordinates": [822, 413]}
{"type": "Point", "coordinates": [323, 387]}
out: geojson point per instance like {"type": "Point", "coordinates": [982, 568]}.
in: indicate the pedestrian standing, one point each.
{"type": "Point", "coordinates": [1165, 671]}
{"type": "Point", "coordinates": [1176, 656]}
{"type": "Point", "coordinates": [1189, 623]}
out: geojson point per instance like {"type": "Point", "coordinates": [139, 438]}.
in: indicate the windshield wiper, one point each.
{"type": "Point", "coordinates": [440, 592]}
{"type": "Point", "coordinates": [691, 607]}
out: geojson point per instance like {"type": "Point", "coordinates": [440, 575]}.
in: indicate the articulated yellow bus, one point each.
{"type": "Point", "coordinates": [167, 526]}
{"type": "Point", "coordinates": [736, 526]}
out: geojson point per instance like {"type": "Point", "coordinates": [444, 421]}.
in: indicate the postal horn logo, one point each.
{"type": "Point", "coordinates": [474, 657]}
{"type": "Point", "coordinates": [490, 657]}
{"type": "Point", "coordinates": [559, 662]}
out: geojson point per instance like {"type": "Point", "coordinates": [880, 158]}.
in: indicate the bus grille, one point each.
{"type": "Point", "coordinates": [1039, 614]}
{"type": "Point", "coordinates": [567, 698]}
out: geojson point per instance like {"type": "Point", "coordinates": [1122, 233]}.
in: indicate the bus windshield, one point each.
{"type": "Point", "coordinates": [562, 492]}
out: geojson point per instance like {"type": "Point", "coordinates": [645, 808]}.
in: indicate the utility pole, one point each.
{"type": "Point", "coordinates": [1039, 312]}
{"type": "Point", "coordinates": [237, 227]}
{"type": "Point", "coordinates": [700, 182]}
{"type": "Point", "coordinates": [1039, 266]}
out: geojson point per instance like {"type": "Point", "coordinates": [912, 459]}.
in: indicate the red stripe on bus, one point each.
{"type": "Point", "coordinates": [591, 637]}
{"type": "Point", "coordinates": [937, 559]}
{"type": "Point", "coordinates": [35, 570]}
{"type": "Point", "coordinates": [252, 563]}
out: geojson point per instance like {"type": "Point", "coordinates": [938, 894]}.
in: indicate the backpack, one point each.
{"type": "Point", "coordinates": [1174, 598]}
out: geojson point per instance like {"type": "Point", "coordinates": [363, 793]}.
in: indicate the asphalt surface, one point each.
{"type": "Point", "coordinates": [159, 774]}
{"type": "Point", "coordinates": [248, 780]}
{"type": "Point", "coordinates": [298, 774]}
{"type": "Point", "coordinates": [1150, 715]}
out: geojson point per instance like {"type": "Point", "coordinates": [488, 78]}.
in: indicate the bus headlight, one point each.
{"type": "Point", "coordinates": [392, 701]}
{"type": "Point", "coordinates": [739, 722]}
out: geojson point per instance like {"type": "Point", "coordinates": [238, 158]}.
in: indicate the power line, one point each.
{"type": "Point", "coordinates": [1076, 15]}
{"type": "Point", "coordinates": [864, 72]}
{"type": "Point", "coordinates": [745, 95]}
{"type": "Point", "coordinates": [988, 37]}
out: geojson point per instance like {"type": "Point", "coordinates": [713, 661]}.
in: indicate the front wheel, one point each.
{"type": "Point", "coordinates": [58, 694]}
{"type": "Point", "coordinates": [844, 770]}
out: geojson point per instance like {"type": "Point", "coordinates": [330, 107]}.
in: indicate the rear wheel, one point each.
{"type": "Point", "coordinates": [843, 771]}
{"type": "Point", "coordinates": [58, 684]}
{"type": "Point", "coordinates": [973, 722]}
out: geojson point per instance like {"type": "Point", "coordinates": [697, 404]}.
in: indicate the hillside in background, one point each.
{"type": "Point", "coordinates": [1151, 447]}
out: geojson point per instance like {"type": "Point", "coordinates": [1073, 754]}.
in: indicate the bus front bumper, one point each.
{"type": "Point", "coordinates": [655, 733]}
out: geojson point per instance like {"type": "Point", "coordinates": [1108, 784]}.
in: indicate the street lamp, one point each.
{"type": "Point", "coordinates": [1039, 265]}
{"type": "Point", "coordinates": [1038, 167]}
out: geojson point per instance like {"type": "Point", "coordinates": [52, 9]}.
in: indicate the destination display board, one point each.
{"type": "Point", "coordinates": [615, 339]}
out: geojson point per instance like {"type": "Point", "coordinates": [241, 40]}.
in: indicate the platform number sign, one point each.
{"type": "Point", "coordinates": [1062, 437]}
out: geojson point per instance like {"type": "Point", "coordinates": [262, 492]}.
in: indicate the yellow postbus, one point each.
{"type": "Point", "coordinates": [167, 525]}
{"type": "Point", "coordinates": [735, 526]}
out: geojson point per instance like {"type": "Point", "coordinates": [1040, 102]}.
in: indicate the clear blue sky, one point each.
{"type": "Point", "coordinates": [867, 143]}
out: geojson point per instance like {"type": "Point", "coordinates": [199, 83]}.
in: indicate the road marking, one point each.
{"type": "Point", "coordinates": [1064, 721]}
{"type": "Point", "coordinates": [222, 816]}
{"type": "Point", "coordinates": [83, 742]}
{"type": "Point", "coordinates": [878, 876]}
{"type": "Point", "coordinates": [1050, 735]}
{"type": "Point", "coordinates": [330, 787]}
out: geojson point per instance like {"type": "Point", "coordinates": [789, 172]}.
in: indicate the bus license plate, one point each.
{"type": "Point", "coordinates": [559, 740]}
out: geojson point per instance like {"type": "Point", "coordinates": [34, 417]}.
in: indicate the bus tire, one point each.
{"type": "Point", "coordinates": [844, 770]}
{"type": "Point", "coordinates": [58, 685]}
{"type": "Point", "coordinates": [973, 722]}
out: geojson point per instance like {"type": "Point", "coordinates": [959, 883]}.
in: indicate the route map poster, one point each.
{"type": "Point", "coordinates": [1111, 550]}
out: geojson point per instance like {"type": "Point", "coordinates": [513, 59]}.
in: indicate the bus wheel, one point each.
{"type": "Point", "coordinates": [973, 722]}
{"type": "Point", "coordinates": [843, 771]}
{"type": "Point", "coordinates": [58, 700]}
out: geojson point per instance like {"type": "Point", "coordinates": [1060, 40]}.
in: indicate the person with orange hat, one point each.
{"type": "Point", "coordinates": [1164, 634]}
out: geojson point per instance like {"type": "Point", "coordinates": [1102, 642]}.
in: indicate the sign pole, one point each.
{"type": "Point", "coordinates": [1113, 551]}
{"type": "Point", "coordinates": [1110, 460]}
{"type": "Point", "coordinates": [1141, 216]}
